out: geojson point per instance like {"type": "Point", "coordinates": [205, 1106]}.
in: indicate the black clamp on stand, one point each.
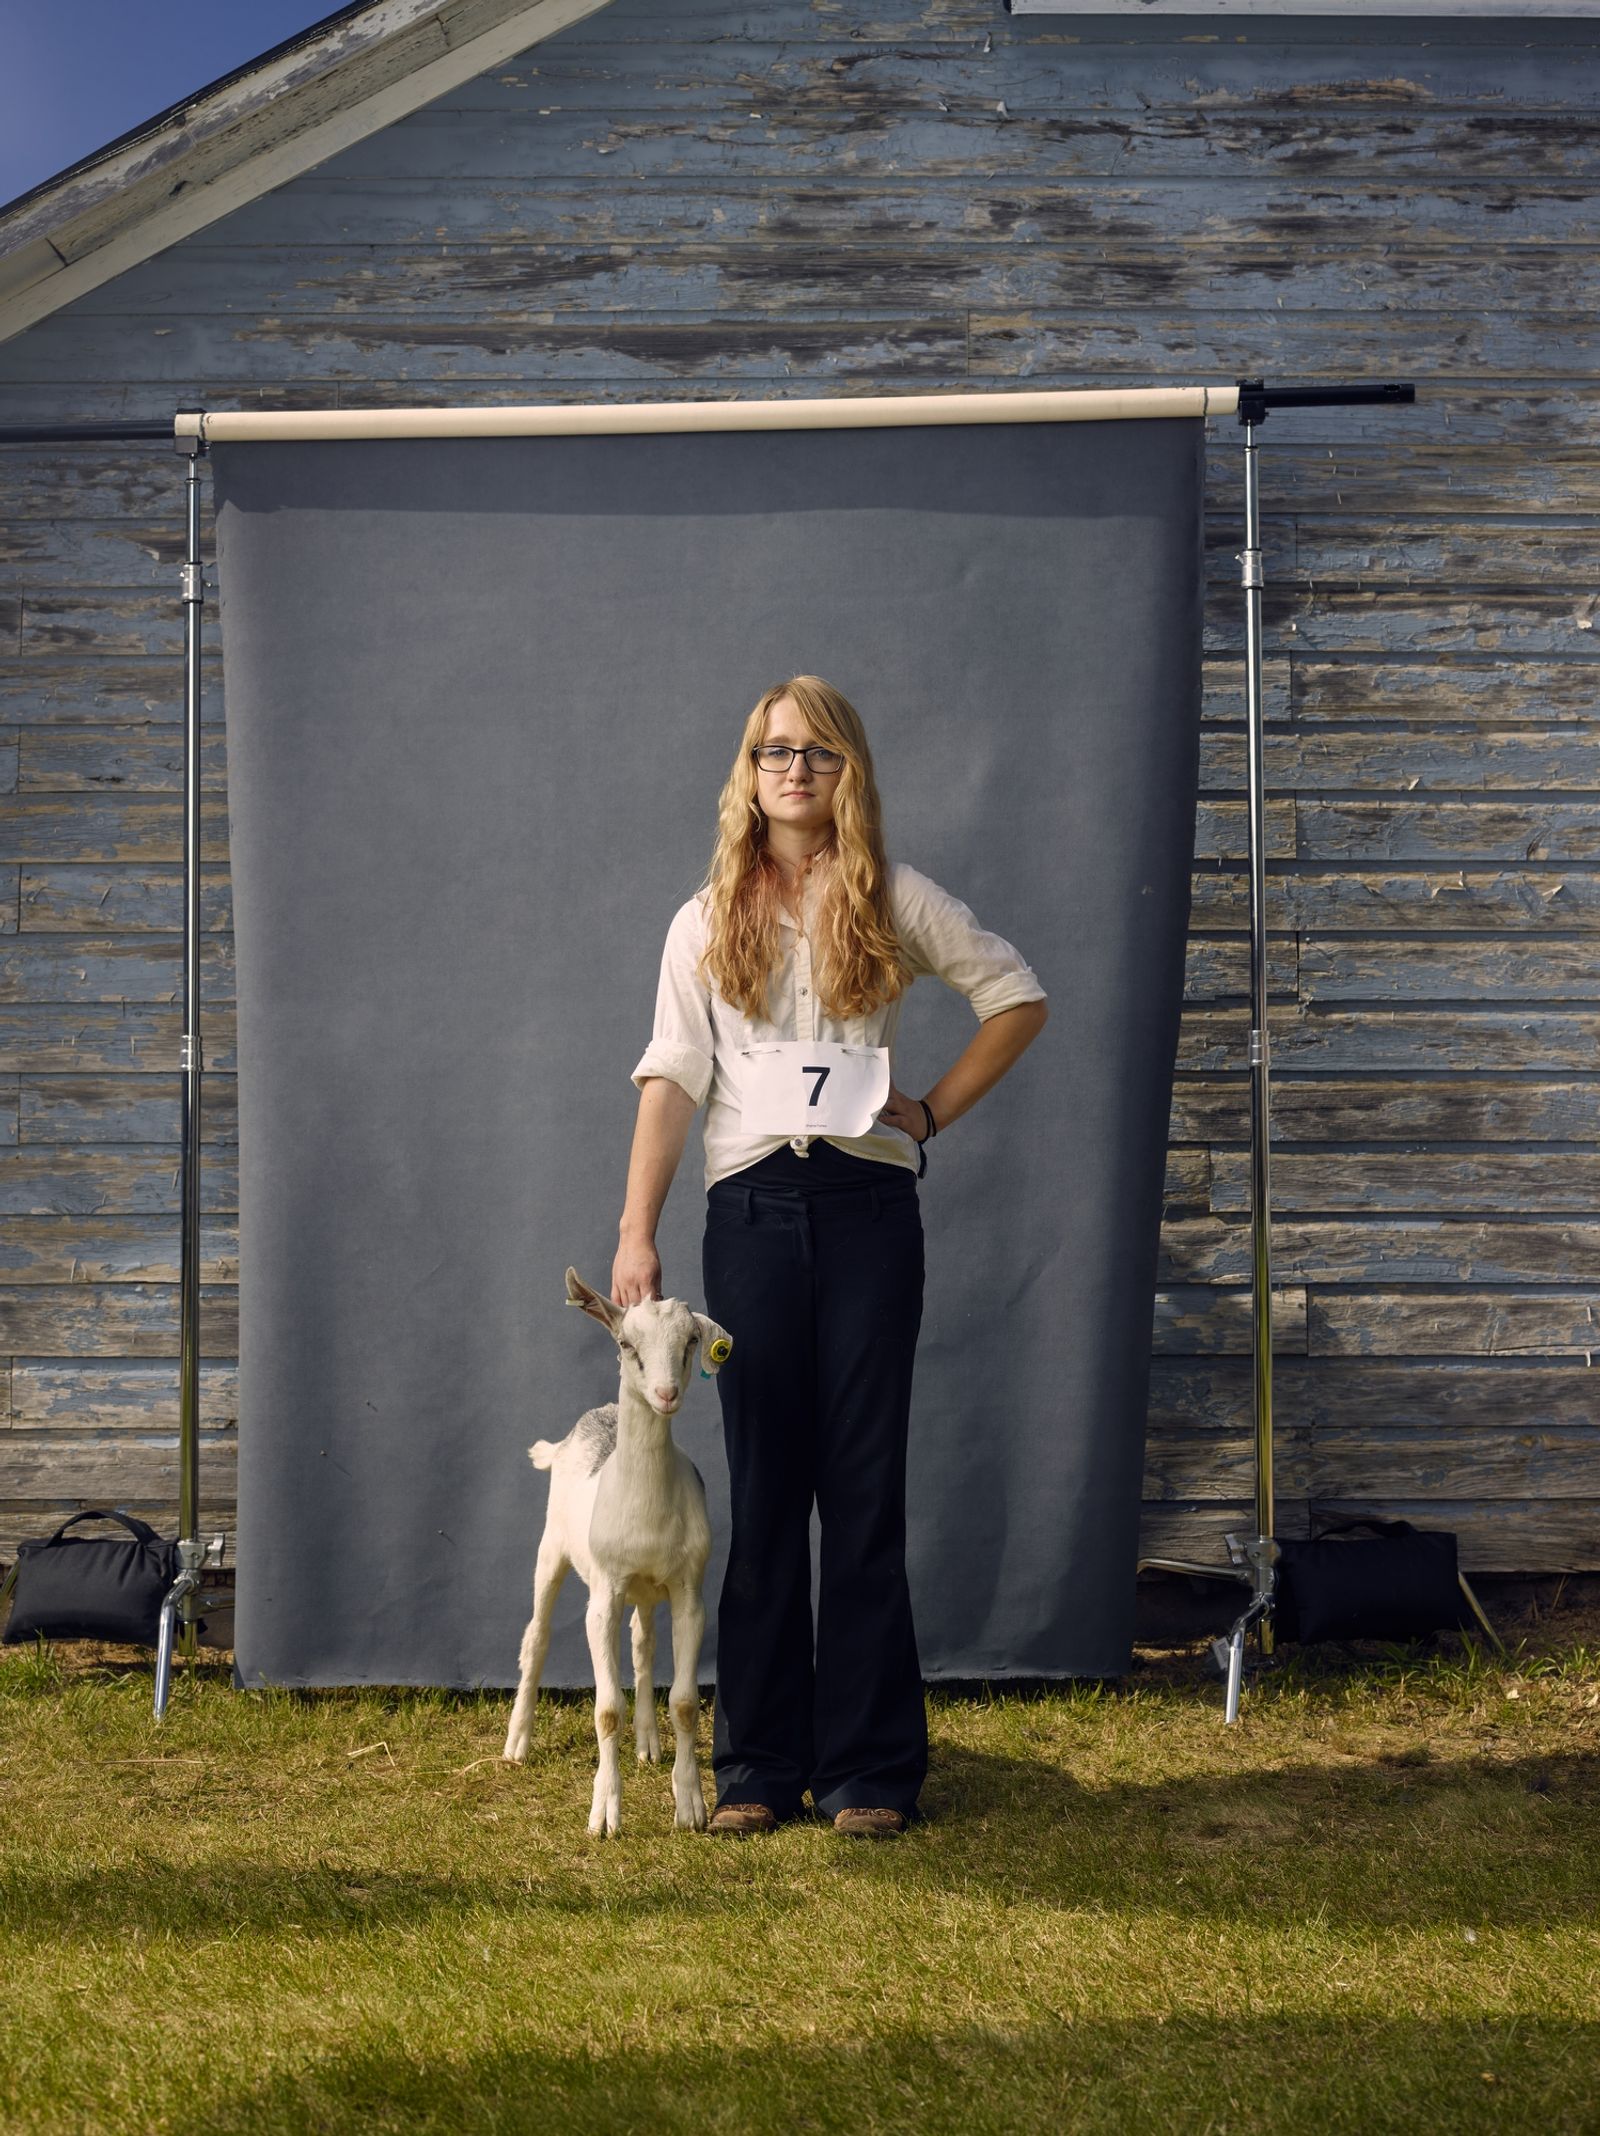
{"type": "Point", "coordinates": [1254, 1558]}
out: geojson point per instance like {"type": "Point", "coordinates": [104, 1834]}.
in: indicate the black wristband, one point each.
{"type": "Point", "coordinates": [933, 1125]}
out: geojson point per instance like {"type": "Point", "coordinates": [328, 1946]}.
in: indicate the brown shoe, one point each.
{"type": "Point", "coordinates": [742, 1818]}
{"type": "Point", "coordinates": [870, 1824]}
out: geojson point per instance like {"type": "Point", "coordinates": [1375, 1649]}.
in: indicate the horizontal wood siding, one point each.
{"type": "Point", "coordinates": [686, 199]}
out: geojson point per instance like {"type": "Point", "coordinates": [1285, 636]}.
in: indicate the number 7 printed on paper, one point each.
{"type": "Point", "coordinates": [808, 1086]}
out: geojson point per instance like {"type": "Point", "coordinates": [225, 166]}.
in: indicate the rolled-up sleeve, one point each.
{"type": "Point", "coordinates": [941, 937]}
{"type": "Point", "coordinates": [682, 1047]}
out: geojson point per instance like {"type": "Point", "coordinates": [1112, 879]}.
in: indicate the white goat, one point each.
{"type": "Point", "coordinates": [628, 1510]}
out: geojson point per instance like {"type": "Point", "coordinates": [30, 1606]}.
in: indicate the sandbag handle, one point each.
{"type": "Point", "coordinates": [140, 1529]}
{"type": "Point", "coordinates": [1367, 1520]}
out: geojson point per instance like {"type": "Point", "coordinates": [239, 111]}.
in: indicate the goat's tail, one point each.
{"type": "Point", "coordinates": [541, 1453]}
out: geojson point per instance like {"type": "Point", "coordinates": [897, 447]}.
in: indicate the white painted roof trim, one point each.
{"type": "Point", "coordinates": [254, 132]}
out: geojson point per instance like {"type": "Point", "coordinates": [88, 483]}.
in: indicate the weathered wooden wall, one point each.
{"type": "Point", "coordinates": [823, 195]}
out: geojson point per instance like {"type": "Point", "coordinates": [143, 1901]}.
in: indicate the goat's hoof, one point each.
{"type": "Point", "coordinates": [692, 1819]}
{"type": "Point", "coordinates": [514, 1754]}
{"type": "Point", "coordinates": [650, 1752]}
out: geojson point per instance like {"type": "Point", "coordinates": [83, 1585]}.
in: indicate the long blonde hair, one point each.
{"type": "Point", "coordinates": [859, 962]}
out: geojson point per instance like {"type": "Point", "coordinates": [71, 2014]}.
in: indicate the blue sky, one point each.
{"type": "Point", "coordinates": [76, 73]}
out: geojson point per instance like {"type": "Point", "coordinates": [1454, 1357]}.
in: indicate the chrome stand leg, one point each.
{"type": "Point", "coordinates": [1230, 1703]}
{"type": "Point", "coordinates": [169, 1618]}
{"type": "Point", "coordinates": [1477, 1611]}
{"type": "Point", "coordinates": [1254, 1563]}
{"type": "Point", "coordinates": [1229, 1653]}
{"type": "Point", "coordinates": [179, 1605]}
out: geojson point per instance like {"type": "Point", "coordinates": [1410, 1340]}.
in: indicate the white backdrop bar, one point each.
{"type": "Point", "coordinates": [833, 412]}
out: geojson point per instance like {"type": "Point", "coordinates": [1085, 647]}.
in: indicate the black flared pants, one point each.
{"type": "Point", "coordinates": [814, 1266]}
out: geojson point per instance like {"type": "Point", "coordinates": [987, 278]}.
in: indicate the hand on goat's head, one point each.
{"type": "Point", "coordinates": [659, 1342]}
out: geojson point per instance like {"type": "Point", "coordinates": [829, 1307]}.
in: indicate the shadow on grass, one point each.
{"type": "Point", "coordinates": [1237, 2074]}
{"type": "Point", "coordinates": [217, 1897]}
{"type": "Point", "coordinates": [965, 1785]}
{"type": "Point", "coordinates": [1401, 1843]}
{"type": "Point", "coordinates": [1409, 1840]}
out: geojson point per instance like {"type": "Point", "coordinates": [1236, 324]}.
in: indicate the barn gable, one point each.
{"type": "Point", "coordinates": [695, 197]}
{"type": "Point", "coordinates": [259, 127]}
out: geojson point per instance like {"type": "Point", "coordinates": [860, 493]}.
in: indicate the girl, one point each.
{"type": "Point", "coordinates": [783, 971]}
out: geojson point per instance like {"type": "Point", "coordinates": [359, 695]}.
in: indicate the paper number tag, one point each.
{"type": "Point", "coordinates": [808, 1086]}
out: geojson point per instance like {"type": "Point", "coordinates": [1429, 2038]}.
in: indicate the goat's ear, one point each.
{"type": "Point", "coordinates": [597, 1307]}
{"type": "Point", "coordinates": [715, 1344]}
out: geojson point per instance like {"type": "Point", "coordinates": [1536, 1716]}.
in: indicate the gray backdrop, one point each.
{"type": "Point", "coordinates": [480, 699]}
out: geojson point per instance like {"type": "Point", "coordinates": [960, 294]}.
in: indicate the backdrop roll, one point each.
{"type": "Point", "coordinates": [481, 695]}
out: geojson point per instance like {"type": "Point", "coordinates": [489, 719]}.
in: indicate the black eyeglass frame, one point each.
{"type": "Point", "coordinates": [811, 749]}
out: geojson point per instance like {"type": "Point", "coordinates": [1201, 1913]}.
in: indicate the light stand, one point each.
{"type": "Point", "coordinates": [182, 1610]}
{"type": "Point", "coordinates": [1254, 1558]}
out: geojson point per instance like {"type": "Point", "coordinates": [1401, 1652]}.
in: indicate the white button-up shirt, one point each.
{"type": "Point", "coordinates": [698, 1037]}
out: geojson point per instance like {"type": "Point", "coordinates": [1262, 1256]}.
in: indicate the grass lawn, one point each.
{"type": "Point", "coordinates": [1371, 1906]}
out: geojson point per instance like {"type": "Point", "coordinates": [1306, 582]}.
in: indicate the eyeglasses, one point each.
{"type": "Point", "coordinates": [778, 756]}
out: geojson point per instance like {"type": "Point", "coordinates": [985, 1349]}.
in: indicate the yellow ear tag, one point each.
{"type": "Point", "coordinates": [718, 1353]}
